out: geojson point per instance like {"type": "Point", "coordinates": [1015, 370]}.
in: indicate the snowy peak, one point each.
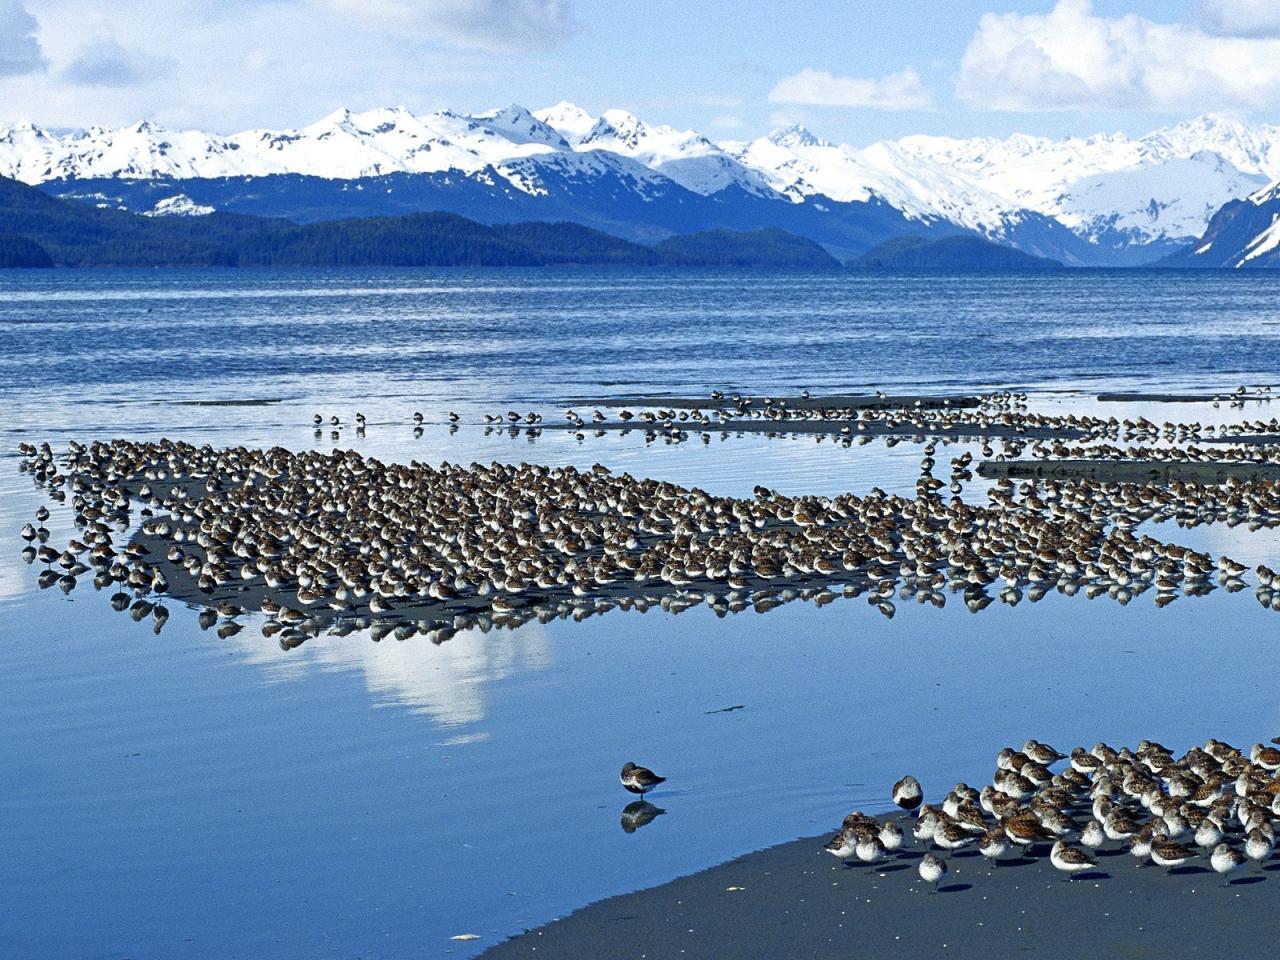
{"type": "Point", "coordinates": [684, 156]}
{"type": "Point", "coordinates": [1109, 189]}
{"type": "Point", "coordinates": [178, 206]}
{"type": "Point", "coordinates": [795, 136]}
{"type": "Point", "coordinates": [1249, 148]}
{"type": "Point", "coordinates": [568, 119]}
{"type": "Point", "coordinates": [520, 126]}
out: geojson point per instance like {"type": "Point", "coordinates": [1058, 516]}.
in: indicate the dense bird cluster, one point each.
{"type": "Point", "coordinates": [312, 538]}
{"type": "Point", "coordinates": [1215, 801]}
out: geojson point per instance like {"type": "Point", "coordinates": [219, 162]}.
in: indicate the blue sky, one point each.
{"type": "Point", "coordinates": [851, 71]}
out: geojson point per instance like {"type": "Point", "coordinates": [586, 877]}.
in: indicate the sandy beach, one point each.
{"type": "Point", "coordinates": [793, 900]}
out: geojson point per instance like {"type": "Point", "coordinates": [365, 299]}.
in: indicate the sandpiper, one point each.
{"type": "Point", "coordinates": [1070, 860]}
{"type": "Point", "coordinates": [993, 844]}
{"type": "Point", "coordinates": [891, 836]}
{"type": "Point", "coordinates": [1257, 846]}
{"type": "Point", "coordinates": [842, 846]}
{"type": "Point", "coordinates": [1024, 830]}
{"type": "Point", "coordinates": [639, 779]}
{"type": "Point", "coordinates": [1092, 836]}
{"type": "Point", "coordinates": [1170, 853]}
{"type": "Point", "coordinates": [907, 793]}
{"type": "Point", "coordinates": [1268, 758]}
{"type": "Point", "coordinates": [870, 850]}
{"type": "Point", "coordinates": [932, 869]}
{"type": "Point", "coordinates": [1224, 859]}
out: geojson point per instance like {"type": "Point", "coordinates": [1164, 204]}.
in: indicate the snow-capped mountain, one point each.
{"type": "Point", "coordinates": [1244, 234]}
{"type": "Point", "coordinates": [1109, 187]}
{"type": "Point", "coordinates": [685, 156]}
{"type": "Point", "coordinates": [1107, 198]}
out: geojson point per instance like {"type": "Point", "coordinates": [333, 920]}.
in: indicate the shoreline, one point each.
{"type": "Point", "coordinates": [795, 900]}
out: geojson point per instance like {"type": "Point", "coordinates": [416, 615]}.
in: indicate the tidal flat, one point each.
{"type": "Point", "coordinates": [360, 792]}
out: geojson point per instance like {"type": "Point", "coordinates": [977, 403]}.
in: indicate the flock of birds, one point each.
{"type": "Point", "coordinates": [342, 541]}
{"type": "Point", "coordinates": [1214, 801]}
{"type": "Point", "coordinates": [994, 416]}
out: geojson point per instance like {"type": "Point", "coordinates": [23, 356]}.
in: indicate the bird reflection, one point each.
{"type": "Point", "coordinates": [639, 813]}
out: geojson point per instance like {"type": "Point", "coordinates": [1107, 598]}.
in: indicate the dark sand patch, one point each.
{"type": "Point", "coordinates": [1179, 397]}
{"type": "Point", "coordinates": [859, 401]}
{"type": "Point", "coordinates": [263, 402]}
{"type": "Point", "coordinates": [795, 901]}
{"type": "Point", "coordinates": [849, 427]}
{"type": "Point", "coordinates": [1127, 471]}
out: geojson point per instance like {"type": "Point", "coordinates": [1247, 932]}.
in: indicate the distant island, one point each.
{"type": "Point", "coordinates": [953, 255]}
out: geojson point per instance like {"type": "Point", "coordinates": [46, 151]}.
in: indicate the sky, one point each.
{"type": "Point", "coordinates": [853, 72]}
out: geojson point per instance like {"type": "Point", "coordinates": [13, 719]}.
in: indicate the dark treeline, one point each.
{"type": "Point", "coordinates": [951, 254]}
{"type": "Point", "coordinates": [39, 230]}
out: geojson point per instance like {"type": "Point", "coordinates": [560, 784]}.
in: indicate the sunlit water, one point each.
{"type": "Point", "coordinates": [178, 795]}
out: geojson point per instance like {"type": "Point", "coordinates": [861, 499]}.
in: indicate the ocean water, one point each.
{"type": "Point", "coordinates": [178, 795]}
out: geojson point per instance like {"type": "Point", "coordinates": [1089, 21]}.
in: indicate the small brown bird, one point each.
{"type": "Point", "coordinates": [639, 779]}
{"type": "Point", "coordinates": [907, 793]}
{"type": "Point", "coordinates": [932, 869]}
{"type": "Point", "coordinates": [1070, 859]}
{"type": "Point", "coordinates": [1167, 853]}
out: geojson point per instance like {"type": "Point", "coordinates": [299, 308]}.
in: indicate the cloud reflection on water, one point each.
{"type": "Point", "coordinates": [449, 683]}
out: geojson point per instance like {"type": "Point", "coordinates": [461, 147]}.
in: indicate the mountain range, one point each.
{"type": "Point", "coordinates": [41, 231]}
{"type": "Point", "coordinates": [1104, 200]}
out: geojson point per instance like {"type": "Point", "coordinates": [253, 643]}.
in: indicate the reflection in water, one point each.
{"type": "Point", "coordinates": [639, 813]}
{"type": "Point", "coordinates": [447, 683]}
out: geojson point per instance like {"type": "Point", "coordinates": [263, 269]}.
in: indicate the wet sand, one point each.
{"type": "Point", "coordinates": [859, 401]}
{"type": "Point", "coordinates": [795, 900]}
{"type": "Point", "coordinates": [849, 428]}
{"type": "Point", "coordinates": [1127, 471]}
{"type": "Point", "coordinates": [1180, 397]}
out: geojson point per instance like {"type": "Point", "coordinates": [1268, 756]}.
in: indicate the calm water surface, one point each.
{"type": "Point", "coordinates": [182, 796]}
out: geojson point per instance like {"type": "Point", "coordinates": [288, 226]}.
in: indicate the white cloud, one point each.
{"type": "Point", "coordinates": [20, 51]}
{"type": "Point", "coordinates": [483, 24]}
{"type": "Point", "coordinates": [897, 91]}
{"type": "Point", "coordinates": [225, 67]}
{"type": "Point", "coordinates": [1241, 18]}
{"type": "Point", "coordinates": [1071, 59]}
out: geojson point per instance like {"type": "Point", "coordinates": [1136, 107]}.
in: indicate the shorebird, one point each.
{"type": "Point", "coordinates": [1224, 859]}
{"type": "Point", "coordinates": [950, 835]}
{"type": "Point", "coordinates": [891, 836]}
{"type": "Point", "coordinates": [1268, 758]}
{"type": "Point", "coordinates": [1024, 830]}
{"type": "Point", "coordinates": [870, 850]}
{"type": "Point", "coordinates": [907, 793]}
{"type": "Point", "coordinates": [1042, 753]}
{"type": "Point", "coordinates": [1169, 853]}
{"type": "Point", "coordinates": [1257, 846]}
{"type": "Point", "coordinates": [843, 845]}
{"type": "Point", "coordinates": [1092, 836]}
{"type": "Point", "coordinates": [1070, 860]}
{"type": "Point", "coordinates": [993, 844]}
{"type": "Point", "coordinates": [639, 779]}
{"type": "Point", "coordinates": [932, 869]}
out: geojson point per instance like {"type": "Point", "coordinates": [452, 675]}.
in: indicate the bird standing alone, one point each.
{"type": "Point", "coordinates": [639, 779]}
